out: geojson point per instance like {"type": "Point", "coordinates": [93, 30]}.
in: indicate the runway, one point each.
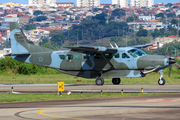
{"type": "Point", "coordinates": [161, 107]}
{"type": "Point", "coordinates": [52, 88]}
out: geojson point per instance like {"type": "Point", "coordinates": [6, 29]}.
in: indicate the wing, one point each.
{"type": "Point", "coordinates": [93, 50]}
{"type": "Point", "coordinates": [141, 46]}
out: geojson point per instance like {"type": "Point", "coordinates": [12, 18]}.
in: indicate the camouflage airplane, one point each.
{"type": "Point", "coordinates": [90, 62]}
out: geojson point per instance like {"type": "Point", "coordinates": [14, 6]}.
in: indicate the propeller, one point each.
{"type": "Point", "coordinates": [171, 61]}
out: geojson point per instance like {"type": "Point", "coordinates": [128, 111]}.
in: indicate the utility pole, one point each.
{"type": "Point", "coordinates": [118, 31]}
{"type": "Point", "coordinates": [126, 38]}
{"type": "Point", "coordinates": [82, 34]}
{"type": "Point", "coordinates": [77, 38]}
{"type": "Point", "coordinates": [68, 34]}
{"type": "Point", "coordinates": [178, 28]}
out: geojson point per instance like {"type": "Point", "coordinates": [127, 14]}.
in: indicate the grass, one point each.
{"type": "Point", "coordinates": [67, 79]}
{"type": "Point", "coordinates": [12, 98]}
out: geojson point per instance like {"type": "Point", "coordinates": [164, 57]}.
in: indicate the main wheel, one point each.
{"type": "Point", "coordinates": [161, 81]}
{"type": "Point", "coordinates": [116, 81]}
{"type": "Point", "coordinates": [99, 81]}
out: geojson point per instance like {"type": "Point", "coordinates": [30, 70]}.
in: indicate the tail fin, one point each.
{"type": "Point", "coordinates": [19, 44]}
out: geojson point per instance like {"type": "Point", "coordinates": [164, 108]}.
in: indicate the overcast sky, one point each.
{"type": "Point", "coordinates": [102, 1]}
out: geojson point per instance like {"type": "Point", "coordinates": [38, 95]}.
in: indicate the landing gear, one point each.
{"type": "Point", "coordinates": [161, 80]}
{"type": "Point", "coordinates": [116, 81]}
{"type": "Point", "coordinates": [99, 81]}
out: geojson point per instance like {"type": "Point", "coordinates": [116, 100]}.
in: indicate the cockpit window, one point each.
{"type": "Point", "coordinates": [136, 53]}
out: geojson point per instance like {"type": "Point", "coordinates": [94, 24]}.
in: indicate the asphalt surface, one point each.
{"type": "Point", "coordinates": [52, 88]}
{"type": "Point", "coordinates": [156, 107]}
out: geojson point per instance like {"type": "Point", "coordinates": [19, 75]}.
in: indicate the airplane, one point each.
{"type": "Point", "coordinates": [90, 61]}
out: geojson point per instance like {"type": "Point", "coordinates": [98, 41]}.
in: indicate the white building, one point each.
{"type": "Point", "coordinates": [88, 3]}
{"type": "Point", "coordinates": [142, 3]}
{"type": "Point", "coordinates": [42, 2]}
{"type": "Point", "coordinates": [147, 18]}
{"type": "Point", "coordinates": [122, 3]}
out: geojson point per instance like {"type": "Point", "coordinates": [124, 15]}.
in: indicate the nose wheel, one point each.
{"type": "Point", "coordinates": [161, 80]}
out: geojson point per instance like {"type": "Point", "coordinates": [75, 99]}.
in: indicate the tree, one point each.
{"type": "Point", "coordinates": [174, 22]}
{"type": "Point", "coordinates": [101, 17]}
{"type": "Point", "coordinates": [118, 13]}
{"type": "Point", "coordinates": [37, 12]}
{"type": "Point", "coordinates": [170, 15]}
{"type": "Point", "coordinates": [142, 33]}
{"type": "Point", "coordinates": [158, 33]}
{"type": "Point", "coordinates": [143, 40]}
{"type": "Point", "coordinates": [57, 39]}
{"type": "Point", "coordinates": [77, 18]}
{"type": "Point", "coordinates": [160, 15]}
{"type": "Point", "coordinates": [44, 41]}
{"type": "Point", "coordinates": [130, 19]}
{"type": "Point", "coordinates": [169, 5]}
{"type": "Point", "coordinates": [29, 27]}
{"type": "Point", "coordinates": [41, 18]}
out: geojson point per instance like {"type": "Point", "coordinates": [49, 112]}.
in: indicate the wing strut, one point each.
{"type": "Point", "coordinates": [112, 67]}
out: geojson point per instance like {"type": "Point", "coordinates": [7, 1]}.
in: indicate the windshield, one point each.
{"type": "Point", "coordinates": [136, 53]}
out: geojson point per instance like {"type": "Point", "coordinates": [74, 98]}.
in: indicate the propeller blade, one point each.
{"type": "Point", "coordinates": [169, 71]}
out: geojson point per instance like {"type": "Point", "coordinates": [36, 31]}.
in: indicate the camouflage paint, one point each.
{"type": "Point", "coordinates": [92, 67]}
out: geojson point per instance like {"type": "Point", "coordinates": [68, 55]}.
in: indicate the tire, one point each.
{"type": "Point", "coordinates": [99, 81]}
{"type": "Point", "coordinates": [162, 81]}
{"type": "Point", "coordinates": [116, 81]}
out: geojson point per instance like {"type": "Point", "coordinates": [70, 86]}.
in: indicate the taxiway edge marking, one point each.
{"type": "Point", "coordinates": [40, 112]}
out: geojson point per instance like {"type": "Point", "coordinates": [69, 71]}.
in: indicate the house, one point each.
{"type": "Point", "coordinates": [24, 19]}
{"type": "Point", "coordinates": [165, 40]}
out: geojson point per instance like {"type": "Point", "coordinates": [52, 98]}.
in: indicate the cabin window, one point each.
{"type": "Point", "coordinates": [85, 56]}
{"type": "Point", "coordinates": [77, 56]}
{"type": "Point", "coordinates": [124, 55]}
{"type": "Point", "coordinates": [108, 55]}
{"type": "Point", "coordinates": [97, 55]}
{"type": "Point", "coordinates": [116, 55]}
{"type": "Point", "coordinates": [69, 57]}
{"type": "Point", "coordinates": [62, 57]}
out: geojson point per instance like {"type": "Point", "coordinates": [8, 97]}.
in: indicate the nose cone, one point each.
{"type": "Point", "coordinates": [172, 61]}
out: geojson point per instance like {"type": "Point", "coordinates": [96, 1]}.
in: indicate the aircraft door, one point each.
{"type": "Point", "coordinates": [127, 60]}
{"type": "Point", "coordinates": [71, 62]}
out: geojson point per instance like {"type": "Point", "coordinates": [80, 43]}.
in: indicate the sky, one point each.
{"type": "Point", "coordinates": [102, 1]}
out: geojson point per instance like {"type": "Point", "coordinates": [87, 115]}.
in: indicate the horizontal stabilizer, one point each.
{"type": "Point", "coordinates": [16, 54]}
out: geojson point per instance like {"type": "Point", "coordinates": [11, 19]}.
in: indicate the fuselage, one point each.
{"type": "Point", "coordinates": [127, 62]}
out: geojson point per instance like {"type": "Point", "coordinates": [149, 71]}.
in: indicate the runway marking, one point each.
{"type": "Point", "coordinates": [40, 112]}
{"type": "Point", "coordinates": [161, 100]}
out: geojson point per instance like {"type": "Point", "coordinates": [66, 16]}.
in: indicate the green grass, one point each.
{"type": "Point", "coordinates": [67, 79]}
{"type": "Point", "coordinates": [12, 98]}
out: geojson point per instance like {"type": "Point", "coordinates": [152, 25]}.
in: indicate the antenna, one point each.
{"type": "Point", "coordinates": [116, 45]}
{"type": "Point", "coordinates": [111, 45]}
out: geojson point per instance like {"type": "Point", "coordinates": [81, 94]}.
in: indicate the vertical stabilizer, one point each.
{"type": "Point", "coordinates": [19, 44]}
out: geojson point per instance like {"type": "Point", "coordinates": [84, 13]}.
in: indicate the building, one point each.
{"type": "Point", "coordinates": [65, 4]}
{"type": "Point", "coordinates": [24, 19]}
{"type": "Point", "coordinates": [88, 3]}
{"type": "Point", "coordinates": [142, 3]}
{"type": "Point", "coordinates": [42, 2]}
{"type": "Point", "coordinates": [122, 3]}
{"type": "Point", "coordinates": [11, 4]}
